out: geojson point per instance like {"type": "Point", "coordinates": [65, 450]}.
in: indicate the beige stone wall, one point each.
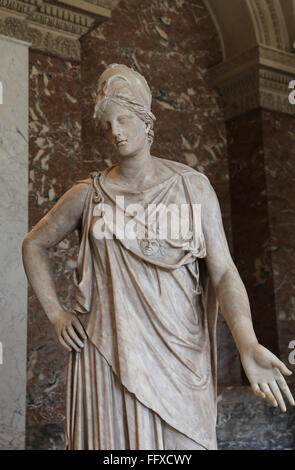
{"type": "Point", "coordinates": [13, 227]}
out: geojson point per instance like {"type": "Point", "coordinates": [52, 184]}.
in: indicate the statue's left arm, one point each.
{"type": "Point", "coordinates": [263, 369]}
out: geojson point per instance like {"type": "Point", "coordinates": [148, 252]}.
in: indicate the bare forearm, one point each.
{"type": "Point", "coordinates": [234, 305]}
{"type": "Point", "coordinates": [39, 273]}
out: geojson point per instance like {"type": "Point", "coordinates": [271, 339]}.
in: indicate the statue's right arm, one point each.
{"type": "Point", "coordinates": [57, 224]}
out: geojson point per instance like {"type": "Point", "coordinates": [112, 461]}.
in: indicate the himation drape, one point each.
{"type": "Point", "coordinates": [146, 378]}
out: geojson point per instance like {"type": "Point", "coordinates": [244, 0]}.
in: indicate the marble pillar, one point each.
{"type": "Point", "coordinates": [261, 163]}
{"type": "Point", "coordinates": [250, 222]}
{"type": "Point", "coordinates": [13, 227]}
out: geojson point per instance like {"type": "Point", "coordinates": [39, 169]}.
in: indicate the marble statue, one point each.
{"type": "Point", "coordinates": [142, 342]}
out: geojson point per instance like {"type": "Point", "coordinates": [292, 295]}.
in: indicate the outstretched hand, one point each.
{"type": "Point", "coordinates": [265, 373]}
{"type": "Point", "coordinates": [69, 331]}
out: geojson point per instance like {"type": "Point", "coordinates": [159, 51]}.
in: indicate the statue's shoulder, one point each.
{"type": "Point", "coordinates": [95, 174]}
{"type": "Point", "coordinates": [88, 180]}
{"type": "Point", "coordinates": [197, 183]}
{"type": "Point", "coordinates": [80, 189]}
{"type": "Point", "coordinates": [91, 177]}
{"type": "Point", "coordinates": [185, 170]}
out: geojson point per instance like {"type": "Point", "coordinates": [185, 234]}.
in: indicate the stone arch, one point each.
{"type": "Point", "coordinates": [269, 23]}
{"type": "Point", "coordinates": [244, 24]}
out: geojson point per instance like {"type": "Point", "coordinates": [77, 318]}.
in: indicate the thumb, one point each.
{"type": "Point", "coordinates": [282, 368]}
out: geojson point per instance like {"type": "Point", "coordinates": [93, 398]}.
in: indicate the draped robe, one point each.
{"type": "Point", "coordinates": [150, 315]}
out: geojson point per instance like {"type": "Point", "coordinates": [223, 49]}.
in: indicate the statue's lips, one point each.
{"type": "Point", "coordinates": [121, 142]}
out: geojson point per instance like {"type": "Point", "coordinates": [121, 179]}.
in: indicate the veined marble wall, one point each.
{"type": "Point", "coordinates": [13, 227]}
{"type": "Point", "coordinates": [261, 162]}
{"type": "Point", "coordinates": [279, 149]}
{"type": "Point", "coordinates": [55, 164]}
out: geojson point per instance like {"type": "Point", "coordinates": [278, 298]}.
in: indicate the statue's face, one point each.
{"type": "Point", "coordinates": [149, 247]}
{"type": "Point", "coordinates": [124, 130]}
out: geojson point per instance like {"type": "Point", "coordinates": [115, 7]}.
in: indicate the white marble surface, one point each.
{"type": "Point", "coordinates": [13, 227]}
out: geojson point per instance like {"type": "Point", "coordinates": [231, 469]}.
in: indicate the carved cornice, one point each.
{"type": "Point", "coordinates": [258, 78]}
{"type": "Point", "coordinates": [51, 26]}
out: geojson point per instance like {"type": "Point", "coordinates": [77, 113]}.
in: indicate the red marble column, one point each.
{"type": "Point", "coordinates": [279, 150]}
{"type": "Point", "coordinates": [250, 221]}
{"type": "Point", "coordinates": [261, 164]}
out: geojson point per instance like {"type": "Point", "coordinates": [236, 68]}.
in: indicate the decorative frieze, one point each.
{"type": "Point", "coordinates": [40, 39]}
{"type": "Point", "coordinates": [52, 26]}
{"type": "Point", "coordinates": [259, 77]}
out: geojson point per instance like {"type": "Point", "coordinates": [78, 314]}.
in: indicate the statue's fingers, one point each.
{"type": "Point", "coordinates": [72, 333]}
{"type": "Point", "coordinates": [79, 327]}
{"type": "Point", "coordinates": [278, 396]}
{"type": "Point", "coordinates": [62, 341]}
{"type": "Point", "coordinates": [285, 389]}
{"type": "Point", "coordinates": [268, 393]}
{"type": "Point", "coordinates": [257, 391]}
{"type": "Point", "coordinates": [69, 341]}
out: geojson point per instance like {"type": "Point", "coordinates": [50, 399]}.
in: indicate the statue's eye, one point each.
{"type": "Point", "coordinates": [123, 119]}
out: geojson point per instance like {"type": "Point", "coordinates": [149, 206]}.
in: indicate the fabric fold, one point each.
{"type": "Point", "coordinates": [110, 417]}
{"type": "Point", "coordinates": [150, 311]}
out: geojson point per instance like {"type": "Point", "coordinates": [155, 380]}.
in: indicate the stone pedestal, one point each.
{"type": "Point", "coordinates": [246, 423]}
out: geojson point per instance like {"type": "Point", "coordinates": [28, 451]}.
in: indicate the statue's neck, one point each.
{"type": "Point", "coordinates": [136, 169]}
